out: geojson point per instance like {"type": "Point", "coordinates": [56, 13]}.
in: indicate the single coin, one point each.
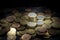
{"type": "Point", "coordinates": [31, 24]}
{"type": "Point", "coordinates": [40, 22]}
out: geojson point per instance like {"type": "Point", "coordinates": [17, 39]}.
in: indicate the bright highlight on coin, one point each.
{"type": "Point", "coordinates": [40, 17]}
{"type": "Point", "coordinates": [40, 22]}
{"type": "Point", "coordinates": [32, 14]}
{"type": "Point", "coordinates": [31, 24]}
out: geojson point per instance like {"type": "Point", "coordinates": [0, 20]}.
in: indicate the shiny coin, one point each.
{"type": "Point", "coordinates": [32, 14]}
{"type": "Point", "coordinates": [48, 22]}
{"type": "Point", "coordinates": [12, 31]}
{"type": "Point", "coordinates": [40, 17]}
{"type": "Point", "coordinates": [31, 24]}
{"type": "Point", "coordinates": [40, 22]}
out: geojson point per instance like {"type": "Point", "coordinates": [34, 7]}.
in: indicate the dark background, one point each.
{"type": "Point", "coordinates": [51, 4]}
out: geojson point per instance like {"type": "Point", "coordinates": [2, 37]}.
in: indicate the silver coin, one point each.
{"type": "Point", "coordinates": [31, 24]}
{"type": "Point", "coordinates": [32, 14]}
{"type": "Point", "coordinates": [40, 22]}
{"type": "Point", "coordinates": [40, 17]}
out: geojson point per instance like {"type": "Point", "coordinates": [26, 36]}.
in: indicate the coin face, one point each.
{"type": "Point", "coordinates": [26, 37]}
{"type": "Point", "coordinates": [53, 31]}
{"type": "Point", "coordinates": [40, 22]}
{"type": "Point", "coordinates": [30, 31]}
{"type": "Point", "coordinates": [40, 17]}
{"type": "Point", "coordinates": [47, 26]}
{"type": "Point", "coordinates": [48, 22]}
{"type": "Point", "coordinates": [47, 16]}
{"type": "Point", "coordinates": [41, 29]}
{"type": "Point", "coordinates": [12, 31]}
{"type": "Point", "coordinates": [15, 25]}
{"type": "Point", "coordinates": [32, 14]}
{"type": "Point", "coordinates": [10, 18]}
{"type": "Point", "coordinates": [31, 24]}
{"type": "Point", "coordinates": [55, 19]}
{"type": "Point", "coordinates": [56, 25]}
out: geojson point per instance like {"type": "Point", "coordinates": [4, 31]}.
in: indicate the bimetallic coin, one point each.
{"type": "Point", "coordinates": [32, 14]}
{"type": "Point", "coordinates": [31, 24]}
{"type": "Point", "coordinates": [41, 17]}
{"type": "Point", "coordinates": [40, 22]}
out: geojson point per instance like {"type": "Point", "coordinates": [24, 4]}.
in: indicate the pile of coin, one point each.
{"type": "Point", "coordinates": [30, 23]}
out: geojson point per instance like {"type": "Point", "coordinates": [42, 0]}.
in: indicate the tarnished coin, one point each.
{"type": "Point", "coordinates": [56, 24]}
{"type": "Point", "coordinates": [40, 22]}
{"type": "Point", "coordinates": [23, 22]}
{"type": "Point", "coordinates": [10, 18]}
{"type": "Point", "coordinates": [41, 29]}
{"type": "Point", "coordinates": [31, 24]}
{"type": "Point", "coordinates": [20, 33]}
{"type": "Point", "coordinates": [53, 31]}
{"type": "Point", "coordinates": [17, 14]}
{"type": "Point", "coordinates": [47, 35]}
{"type": "Point", "coordinates": [55, 19]}
{"type": "Point", "coordinates": [26, 37]}
{"type": "Point", "coordinates": [47, 26]}
{"type": "Point", "coordinates": [25, 17]}
{"type": "Point", "coordinates": [21, 28]}
{"type": "Point", "coordinates": [30, 31]}
{"type": "Point", "coordinates": [15, 25]}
